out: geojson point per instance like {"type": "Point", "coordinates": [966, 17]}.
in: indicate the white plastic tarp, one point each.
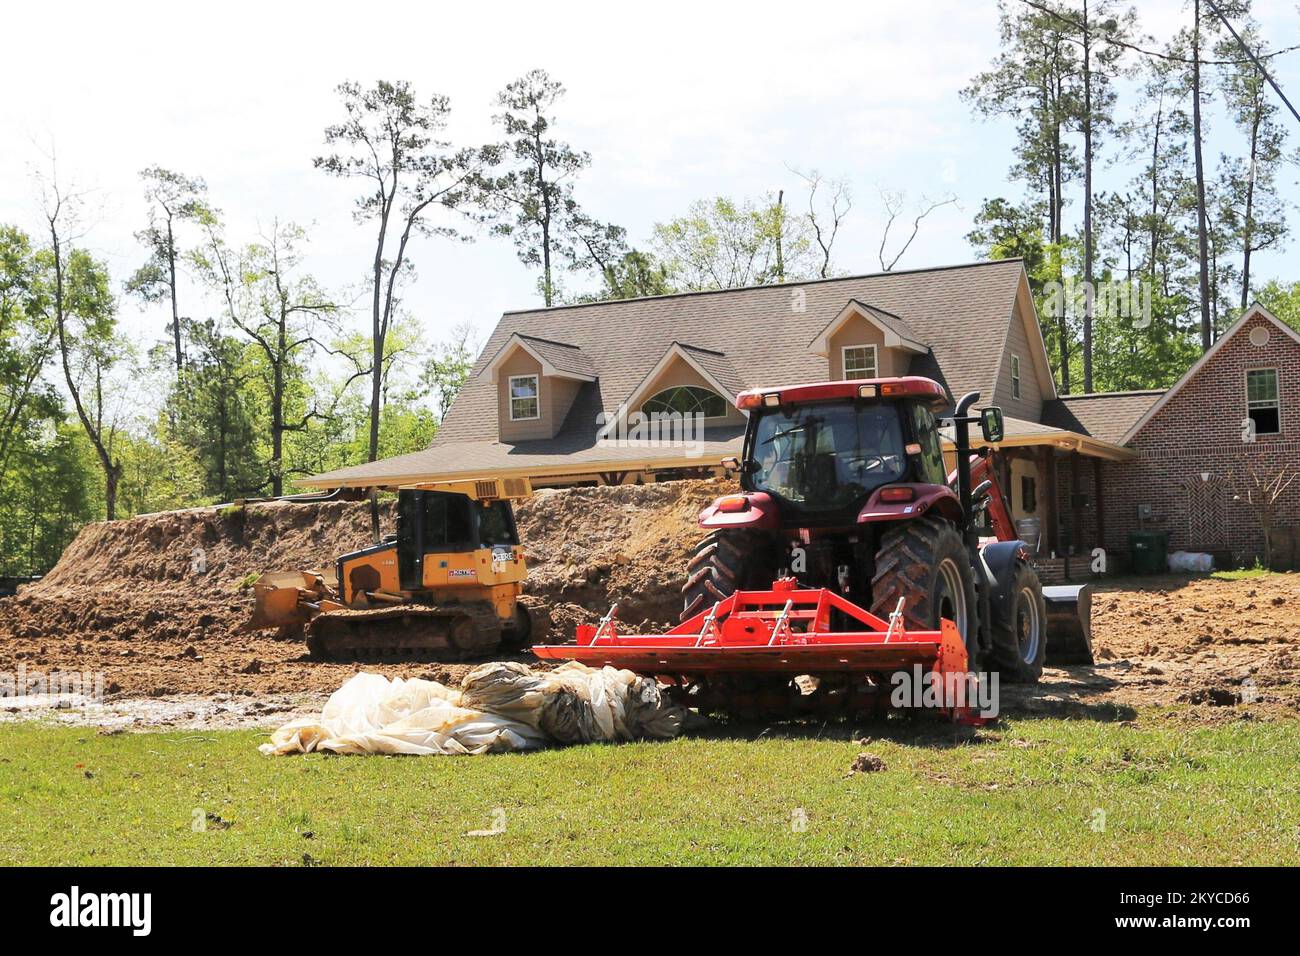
{"type": "Point", "coordinates": [499, 707]}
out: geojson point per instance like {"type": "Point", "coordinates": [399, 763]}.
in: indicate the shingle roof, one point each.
{"type": "Point", "coordinates": [890, 321]}
{"type": "Point", "coordinates": [747, 338]}
{"type": "Point", "coordinates": [1103, 415]}
{"type": "Point", "coordinates": [562, 355]}
{"type": "Point", "coordinates": [1011, 428]}
{"type": "Point", "coordinates": [719, 366]}
{"type": "Point", "coordinates": [451, 459]}
{"type": "Point", "coordinates": [961, 311]}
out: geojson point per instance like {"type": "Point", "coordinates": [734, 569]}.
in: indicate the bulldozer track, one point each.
{"type": "Point", "coordinates": [446, 633]}
{"type": "Point", "coordinates": [540, 623]}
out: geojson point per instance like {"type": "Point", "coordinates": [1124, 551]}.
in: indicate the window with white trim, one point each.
{"type": "Point", "coordinates": [523, 398]}
{"type": "Point", "coordinates": [1015, 376]}
{"type": "Point", "coordinates": [860, 362]}
{"type": "Point", "coordinates": [1262, 403]}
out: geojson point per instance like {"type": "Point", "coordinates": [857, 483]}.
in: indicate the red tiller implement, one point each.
{"type": "Point", "coordinates": [783, 633]}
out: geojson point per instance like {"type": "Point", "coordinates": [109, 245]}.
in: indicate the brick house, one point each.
{"type": "Point", "coordinates": [1235, 411]}
{"type": "Point", "coordinates": [551, 383]}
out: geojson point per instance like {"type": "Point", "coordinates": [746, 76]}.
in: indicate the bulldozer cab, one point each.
{"type": "Point", "coordinates": [432, 522]}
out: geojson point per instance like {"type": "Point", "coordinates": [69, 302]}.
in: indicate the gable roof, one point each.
{"type": "Point", "coordinates": [710, 365]}
{"type": "Point", "coordinates": [896, 332]}
{"type": "Point", "coordinates": [1255, 310]}
{"type": "Point", "coordinates": [1104, 415]}
{"type": "Point", "coordinates": [556, 358]}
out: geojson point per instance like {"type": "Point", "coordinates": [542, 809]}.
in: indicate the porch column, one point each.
{"type": "Point", "coordinates": [1047, 467]}
{"type": "Point", "coordinates": [1076, 507]}
{"type": "Point", "coordinates": [1100, 503]}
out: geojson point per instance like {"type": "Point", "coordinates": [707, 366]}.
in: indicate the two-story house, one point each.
{"type": "Point", "coordinates": [556, 392]}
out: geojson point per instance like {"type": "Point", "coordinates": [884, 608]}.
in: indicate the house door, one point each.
{"type": "Point", "coordinates": [1205, 504]}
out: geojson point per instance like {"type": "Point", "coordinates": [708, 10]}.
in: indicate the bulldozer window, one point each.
{"type": "Point", "coordinates": [495, 524]}
{"type": "Point", "coordinates": [827, 456]}
{"type": "Point", "coordinates": [446, 522]}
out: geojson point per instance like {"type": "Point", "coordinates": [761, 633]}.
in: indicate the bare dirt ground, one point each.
{"type": "Point", "coordinates": [127, 602]}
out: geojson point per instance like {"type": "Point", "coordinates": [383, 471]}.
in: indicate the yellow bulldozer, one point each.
{"type": "Point", "coordinates": [446, 586]}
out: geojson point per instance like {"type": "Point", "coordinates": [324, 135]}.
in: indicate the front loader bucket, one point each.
{"type": "Point", "coordinates": [279, 600]}
{"type": "Point", "coordinates": [1069, 624]}
{"type": "Point", "coordinates": [784, 631]}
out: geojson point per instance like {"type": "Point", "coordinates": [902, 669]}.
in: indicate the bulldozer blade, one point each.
{"type": "Point", "coordinates": [1069, 624]}
{"type": "Point", "coordinates": [277, 601]}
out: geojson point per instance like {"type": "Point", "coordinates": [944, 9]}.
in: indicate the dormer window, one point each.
{"type": "Point", "coordinates": [860, 362]}
{"type": "Point", "coordinates": [686, 400]}
{"type": "Point", "coordinates": [523, 398]}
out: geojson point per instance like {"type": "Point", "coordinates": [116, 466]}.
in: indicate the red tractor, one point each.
{"type": "Point", "coordinates": [880, 555]}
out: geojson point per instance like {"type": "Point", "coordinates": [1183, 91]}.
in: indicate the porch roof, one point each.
{"type": "Point", "coordinates": [1018, 433]}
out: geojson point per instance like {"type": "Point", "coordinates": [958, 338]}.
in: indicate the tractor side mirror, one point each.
{"type": "Point", "coordinates": [991, 424]}
{"type": "Point", "coordinates": [731, 463]}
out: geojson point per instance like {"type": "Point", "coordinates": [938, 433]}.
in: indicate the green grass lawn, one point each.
{"type": "Point", "coordinates": [1030, 791]}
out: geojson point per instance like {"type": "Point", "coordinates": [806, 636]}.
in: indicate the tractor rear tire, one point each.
{"type": "Point", "coordinates": [925, 561]}
{"type": "Point", "coordinates": [727, 560]}
{"type": "Point", "coordinates": [1020, 637]}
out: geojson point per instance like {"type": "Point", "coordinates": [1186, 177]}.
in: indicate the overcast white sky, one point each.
{"type": "Point", "coordinates": [675, 101]}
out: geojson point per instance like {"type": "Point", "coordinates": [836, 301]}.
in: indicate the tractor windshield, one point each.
{"type": "Point", "coordinates": [823, 457]}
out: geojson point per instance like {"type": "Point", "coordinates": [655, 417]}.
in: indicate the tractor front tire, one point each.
{"type": "Point", "coordinates": [1020, 635]}
{"type": "Point", "coordinates": [925, 562]}
{"type": "Point", "coordinates": [727, 560]}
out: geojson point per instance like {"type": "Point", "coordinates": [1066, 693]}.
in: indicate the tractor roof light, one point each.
{"type": "Point", "coordinates": [867, 391]}
{"type": "Point", "coordinates": [747, 400]}
{"type": "Point", "coordinates": [772, 399]}
{"type": "Point", "coordinates": [733, 503]}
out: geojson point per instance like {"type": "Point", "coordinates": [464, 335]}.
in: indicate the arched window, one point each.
{"type": "Point", "coordinates": [686, 400]}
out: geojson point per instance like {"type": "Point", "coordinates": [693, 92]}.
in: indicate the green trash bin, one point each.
{"type": "Point", "coordinates": [1149, 551]}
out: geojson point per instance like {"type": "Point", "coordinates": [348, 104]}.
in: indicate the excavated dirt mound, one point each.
{"type": "Point", "coordinates": [126, 601]}
{"type": "Point", "coordinates": [589, 548]}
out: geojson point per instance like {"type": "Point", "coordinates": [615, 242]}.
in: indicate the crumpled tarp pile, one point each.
{"type": "Point", "coordinates": [499, 707]}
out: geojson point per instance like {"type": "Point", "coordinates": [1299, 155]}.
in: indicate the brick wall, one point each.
{"type": "Point", "coordinates": [1199, 430]}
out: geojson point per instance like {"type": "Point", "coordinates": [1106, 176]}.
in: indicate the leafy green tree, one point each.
{"type": "Point", "coordinates": [52, 488]}
{"type": "Point", "coordinates": [1136, 350]}
{"type": "Point", "coordinates": [533, 201]}
{"type": "Point", "coordinates": [634, 275]}
{"type": "Point", "coordinates": [447, 368]}
{"type": "Point", "coordinates": [1034, 80]}
{"type": "Point", "coordinates": [1254, 210]}
{"type": "Point", "coordinates": [1004, 230]}
{"type": "Point", "coordinates": [218, 412]}
{"type": "Point", "coordinates": [26, 343]}
{"type": "Point", "coordinates": [391, 141]}
{"type": "Point", "coordinates": [159, 472]}
{"type": "Point", "coordinates": [173, 199]}
{"type": "Point", "coordinates": [84, 317]}
{"type": "Point", "coordinates": [722, 243]}
{"type": "Point", "coordinates": [283, 313]}
{"type": "Point", "coordinates": [1283, 300]}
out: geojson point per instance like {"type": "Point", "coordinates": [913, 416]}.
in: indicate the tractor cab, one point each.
{"type": "Point", "coordinates": [822, 452]}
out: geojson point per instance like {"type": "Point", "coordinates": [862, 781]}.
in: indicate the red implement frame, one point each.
{"type": "Point", "coordinates": [785, 630]}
